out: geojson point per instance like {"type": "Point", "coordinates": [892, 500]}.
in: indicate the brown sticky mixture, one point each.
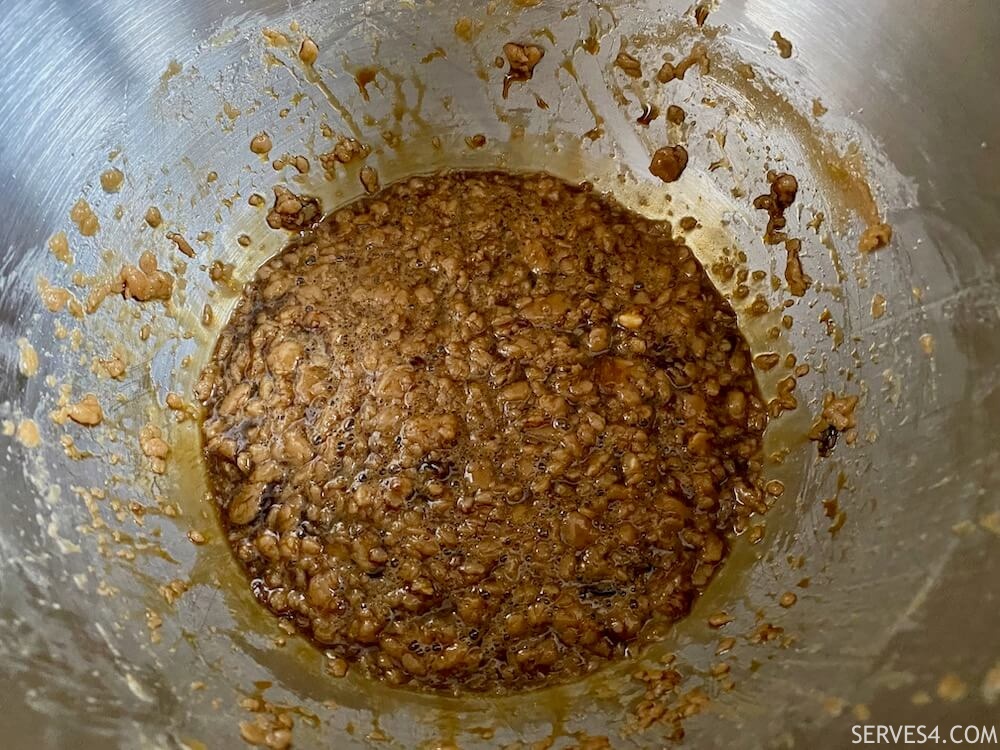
{"type": "Point", "coordinates": [875, 237]}
{"type": "Point", "coordinates": [293, 212]}
{"type": "Point", "coordinates": [784, 399]}
{"type": "Point", "coordinates": [522, 59]}
{"type": "Point", "coordinates": [154, 447]}
{"type": "Point", "coordinates": [798, 280]}
{"type": "Point", "coordinates": [261, 144]}
{"type": "Point", "coordinates": [344, 152]}
{"type": "Point", "coordinates": [784, 189]}
{"type": "Point", "coordinates": [59, 247]}
{"type": "Point", "coordinates": [784, 46]}
{"type": "Point", "coordinates": [112, 367]}
{"type": "Point", "coordinates": [362, 78]}
{"type": "Point", "coordinates": [27, 359]}
{"type": "Point", "coordinates": [54, 298]}
{"type": "Point", "coordinates": [952, 688]}
{"type": "Point", "coordinates": [369, 180]}
{"type": "Point", "coordinates": [879, 304]}
{"type": "Point", "coordinates": [836, 418]}
{"type": "Point", "coordinates": [698, 56]}
{"type": "Point", "coordinates": [274, 38]}
{"type": "Point", "coordinates": [146, 281]}
{"type": "Point", "coordinates": [271, 726]}
{"type": "Point", "coordinates": [628, 64]}
{"type": "Point", "coordinates": [765, 632]}
{"type": "Point", "coordinates": [87, 411]}
{"type": "Point", "coordinates": [299, 162]}
{"type": "Point", "coordinates": [467, 29]}
{"type": "Point", "coordinates": [649, 113]}
{"type": "Point", "coordinates": [221, 273]}
{"type": "Point", "coordinates": [480, 430]}
{"type": "Point", "coordinates": [182, 244]}
{"type": "Point", "coordinates": [27, 433]}
{"type": "Point", "coordinates": [676, 115]}
{"type": "Point", "coordinates": [85, 219]}
{"type": "Point", "coordinates": [663, 703]}
{"type": "Point", "coordinates": [308, 51]}
{"type": "Point", "coordinates": [669, 163]}
{"type": "Point", "coordinates": [111, 180]}
{"type": "Point", "coordinates": [153, 217]}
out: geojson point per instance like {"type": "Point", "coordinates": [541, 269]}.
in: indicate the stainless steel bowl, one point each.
{"type": "Point", "coordinates": [897, 624]}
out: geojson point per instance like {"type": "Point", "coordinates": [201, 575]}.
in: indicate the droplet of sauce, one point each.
{"type": "Point", "coordinates": [649, 113]}
{"type": "Point", "coordinates": [111, 180]}
{"type": "Point", "coordinates": [261, 143]}
{"type": "Point", "coordinates": [308, 52]}
{"type": "Point", "coordinates": [363, 77]}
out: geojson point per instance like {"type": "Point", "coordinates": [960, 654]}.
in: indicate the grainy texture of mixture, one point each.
{"type": "Point", "coordinates": [482, 431]}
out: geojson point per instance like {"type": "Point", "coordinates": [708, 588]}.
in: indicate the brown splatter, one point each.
{"type": "Point", "coordinates": [146, 281]}
{"type": "Point", "coordinates": [719, 619]}
{"type": "Point", "coordinates": [293, 212]}
{"type": "Point", "coordinates": [437, 52]}
{"type": "Point", "coordinates": [837, 417]}
{"type": "Point", "coordinates": [467, 29]}
{"type": "Point", "coordinates": [649, 113]}
{"type": "Point", "coordinates": [154, 447]}
{"type": "Point", "coordinates": [344, 152]}
{"type": "Point", "coordinates": [669, 163]}
{"type": "Point", "coordinates": [111, 180]}
{"type": "Point", "coordinates": [952, 688]}
{"type": "Point", "coordinates": [628, 64]}
{"type": "Point", "coordinates": [182, 244]}
{"type": "Point", "coordinates": [85, 219]}
{"type": "Point", "coordinates": [767, 361]}
{"type": "Point", "coordinates": [784, 189]}
{"type": "Point", "coordinates": [522, 59]}
{"type": "Point", "coordinates": [59, 247]}
{"type": "Point", "coordinates": [875, 237]}
{"type": "Point", "coordinates": [261, 144]}
{"type": "Point", "coordinates": [878, 306]}
{"type": "Point", "coordinates": [798, 281]}
{"type": "Point", "coordinates": [362, 78]}
{"type": "Point", "coordinates": [784, 46]}
{"type": "Point", "coordinates": [308, 51]}
{"type": "Point", "coordinates": [698, 56]}
{"type": "Point", "coordinates": [87, 411]}
{"type": "Point", "coordinates": [369, 180]}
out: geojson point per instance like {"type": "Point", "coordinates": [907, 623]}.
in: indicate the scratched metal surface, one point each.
{"type": "Point", "coordinates": [903, 595]}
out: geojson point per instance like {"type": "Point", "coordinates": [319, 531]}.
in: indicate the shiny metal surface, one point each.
{"type": "Point", "coordinates": [902, 596]}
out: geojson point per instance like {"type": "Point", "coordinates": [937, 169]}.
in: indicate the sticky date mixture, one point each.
{"type": "Point", "coordinates": [482, 431]}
